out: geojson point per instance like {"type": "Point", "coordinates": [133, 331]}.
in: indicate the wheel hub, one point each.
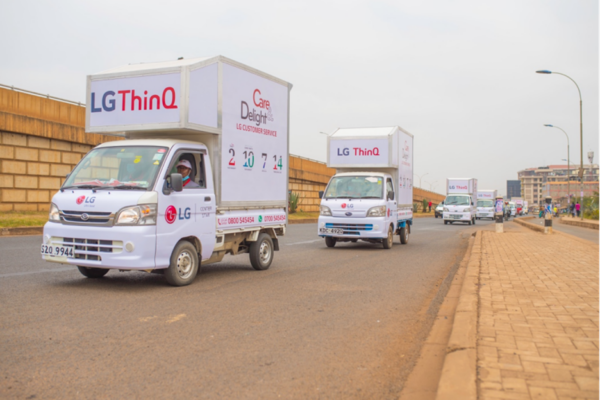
{"type": "Point", "coordinates": [264, 252]}
{"type": "Point", "coordinates": [185, 265]}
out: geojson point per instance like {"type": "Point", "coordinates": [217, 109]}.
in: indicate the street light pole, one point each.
{"type": "Point", "coordinates": [421, 177]}
{"type": "Point", "coordinates": [568, 162]}
{"type": "Point", "coordinates": [580, 133]}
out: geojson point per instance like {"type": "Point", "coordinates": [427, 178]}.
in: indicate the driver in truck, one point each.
{"type": "Point", "coordinates": [185, 168]}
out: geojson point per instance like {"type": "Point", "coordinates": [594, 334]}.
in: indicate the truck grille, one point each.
{"type": "Point", "coordinates": [351, 229]}
{"type": "Point", "coordinates": [87, 217]}
{"type": "Point", "coordinates": [90, 249]}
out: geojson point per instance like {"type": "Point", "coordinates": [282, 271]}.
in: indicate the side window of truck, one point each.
{"type": "Point", "coordinates": [390, 187]}
{"type": "Point", "coordinates": [198, 173]}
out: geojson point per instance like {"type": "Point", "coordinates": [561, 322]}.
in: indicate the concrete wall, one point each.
{"type": "Point", "coordinates": [41, 141]}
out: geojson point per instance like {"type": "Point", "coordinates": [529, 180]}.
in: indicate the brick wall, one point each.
{"type": "Point", "coordinates": [41, 141]}
{"type": "Point", "coordinates": [33, 168]}
{"type": "Point", "coordinates": [307, 178]}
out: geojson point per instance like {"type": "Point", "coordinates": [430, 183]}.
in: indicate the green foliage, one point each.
{"type": "Point", "coordinates": [590, 206]}
{"type": "Point", "coordinates": [293, 204]}
{"type": "Point", "coordinates": [425, 203]}
{"type": "Point", "coordinates": [415, 207]}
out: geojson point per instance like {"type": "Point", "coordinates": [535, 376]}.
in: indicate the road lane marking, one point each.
{"type": "Point", "coordinates": [308, 241]}
{"type": "Point", "coordinates": [176, 318]}
{"type": "Point", "coordinates": [146, 319]}
{"type": "Point", "coordinates": [35, 272]}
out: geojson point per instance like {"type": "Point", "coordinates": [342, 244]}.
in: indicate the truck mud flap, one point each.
{"type": "Point", "coordinates": [275, 244]}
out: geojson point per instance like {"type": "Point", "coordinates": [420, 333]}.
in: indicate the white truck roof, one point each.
{"type": "Point", "coordinates": [366, 132]}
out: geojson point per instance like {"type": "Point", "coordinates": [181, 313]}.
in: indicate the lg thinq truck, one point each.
{"type": "Point", "coordinates": [461, 200]}
{"type": "Point", "coordinates": [202, 171]}
{"type": "Point", "coordinates": [485, 203]}
{"type": "Point", "coordinates": [370, 196]}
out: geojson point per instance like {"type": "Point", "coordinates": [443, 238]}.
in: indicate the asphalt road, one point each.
{"type": "Point", "coordinates": [346, 322]}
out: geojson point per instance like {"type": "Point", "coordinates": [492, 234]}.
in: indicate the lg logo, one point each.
{"type": "Point", "coordinates": [87, 200]}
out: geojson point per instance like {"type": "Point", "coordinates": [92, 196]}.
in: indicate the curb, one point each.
{"type": "Point", "coordinates": [583, 224]}
{"type": "Point", "coordinates": [22, 231]}
{"type": "Point", "coordinates": [303, 221]}
{"type": "Point", "coordinates": [459, 373]}
{"type": "Point", "coordinates": [523, 221]}
{"type": "Point", "coordinates": [538, 228]}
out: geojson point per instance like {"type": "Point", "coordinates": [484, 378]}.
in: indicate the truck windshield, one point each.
{"type": "Point", "coordinates": [355, 187]}
{"type": "Point", "coordinates": [127, 167]}
{"type": "Point", "coordinates": [457, 201]}
{"type": "Point", "coordinates": [485, 203]}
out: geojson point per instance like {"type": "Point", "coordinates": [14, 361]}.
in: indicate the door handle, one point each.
{"type": "Point", "coordinates": [207, 198]}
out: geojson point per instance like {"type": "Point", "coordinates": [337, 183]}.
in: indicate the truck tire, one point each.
{"type": "Point", "coordinates": [261, 252]}
{"type": "Point", "coordinates": [445, 222]}
{"type": "Point", "coordinates": [330, 242]}
{"type": "Point", "coordinates": [389, 241]}
{"type": "Point", "coordinates": [92, 273]}
{"type": "Point", "coordinates": [404, 235]}
{"type": "Point", "coordinates": [184, 265]}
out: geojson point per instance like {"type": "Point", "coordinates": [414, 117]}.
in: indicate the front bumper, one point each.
{"type": "Point", "coordinates": [119, 247]}
{"type": "Point", "coordinates": [457, 216]}
{"type": "Point", "coordinates": [485, 214]}
{"type": "Point", "coordinates": [354, 228]}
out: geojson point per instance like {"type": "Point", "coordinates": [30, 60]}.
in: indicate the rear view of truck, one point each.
{"type": "Point", "coordinates": [370, 196]}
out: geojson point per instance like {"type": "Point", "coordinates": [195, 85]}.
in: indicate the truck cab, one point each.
{"type": "Point", "coordinates": [459, 208]}
{"type": "Point", "coordinates": [359, 205]}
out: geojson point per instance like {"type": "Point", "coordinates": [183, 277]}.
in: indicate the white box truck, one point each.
{"type": "Point", "coordinates": [485, 203]}
{"type": "Point", "coordinates": [370, 196]}
{"type": "Point", "coordinates": [202, 171]}
{"type": "Point", "coordinates": [461, 200]}
{"type": "Point", "coordinates": [519, 203]}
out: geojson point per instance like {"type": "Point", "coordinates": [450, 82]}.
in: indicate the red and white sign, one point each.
{"type": "Point", "coordinates": [134, 100]}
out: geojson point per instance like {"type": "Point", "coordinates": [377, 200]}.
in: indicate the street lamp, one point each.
{"type": "Point", "coordinates": [421, 177]}
{"type": "Point", "coordinates": [545, 71]}
{"type": "Point", "coordinates": [568, 162]}
{"type": "Point", "coordinates": [431, 184]}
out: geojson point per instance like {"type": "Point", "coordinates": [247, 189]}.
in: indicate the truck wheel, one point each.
{"type": "Point", "coordinates": [261, 252]}
{"type": "Point", "coordinates": [404, 235]}
{"type": "Point", "coordinates": [445, 222]}
{"type": "Point", "coordinates": [330, 242]}
{"type": "Point", "coordinates": [389, 241]}
{"type": "Point", "coordinates": [184, 265]}
{"type": "Point", "coordinates": [92, 273]}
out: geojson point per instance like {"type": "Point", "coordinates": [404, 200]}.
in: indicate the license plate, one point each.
{"type": "Point", "coordinates": [333, 231]}
{"type": "Point", "coordinates": [57, 251]}
{"type": "Point", "coordinates": [455, 216]}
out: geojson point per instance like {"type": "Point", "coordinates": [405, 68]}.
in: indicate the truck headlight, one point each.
{"type": "Point", "coordinates": [467, 210]}
{"type": "Point", "coordinates": [325, 211]}
{"type": "Point", "coordinates": [378, 211]}
{"type": "Point", "coordinates": [144, 214]}
{"type": "Point", "coordinates": [53, 215]}
{"type": "Point", "coordinates": [446, 209]}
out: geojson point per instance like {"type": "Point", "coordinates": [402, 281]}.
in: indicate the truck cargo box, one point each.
{"type": "Point", "coordinates": [238, 112]}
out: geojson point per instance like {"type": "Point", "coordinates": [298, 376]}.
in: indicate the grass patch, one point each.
{"type": "Point", "coordinates": [303, 215]}
{"type": "Point", "coordinates": [16, 219]}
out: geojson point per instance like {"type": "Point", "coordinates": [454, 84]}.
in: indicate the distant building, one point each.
{"type": "Point", "coordinates": [537, 183]}
{"type": "Point", "coordinates": [513, 189]}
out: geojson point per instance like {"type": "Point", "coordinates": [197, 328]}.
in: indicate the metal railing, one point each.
{"type": "Point", "coordinates": [46, 96]}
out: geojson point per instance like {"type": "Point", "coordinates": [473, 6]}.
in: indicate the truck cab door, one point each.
{"type": "Point", "coordinates": [190, 213]}
{"type": "Point", "coordinates": [391, 203]}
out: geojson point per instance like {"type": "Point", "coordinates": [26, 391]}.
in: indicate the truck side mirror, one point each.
{"type": "Point", "coordinates": [320, 194]}
{"type": "Point", "coordinates": [177, 182]}
{"type": "Point", "coordinates": [390, 196]}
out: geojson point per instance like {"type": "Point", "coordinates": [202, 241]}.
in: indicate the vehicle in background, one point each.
{"type": "Point", "coordinates": [513, 208]}
{"type": "Point", "coordinates": [439, 210]}
{"type": "Point", "coordinates": [370, 196]}
{"type": "Point", "coordinates": [460, 204]}
{"type": "Point", "coordinates": [486, 200]}
{"type": "Point", "coordinates": [127, 206]}
{"type": "Point", "coordinates": [518, 204]}
{"type": "Point", "coordinates": [525, 207]}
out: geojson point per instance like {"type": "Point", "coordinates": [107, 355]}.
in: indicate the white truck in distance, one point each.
{"type": "Point", "coordinates": [370, 196]}
{"type": "Point", "coordinates": [132, 205]}
{"type": "Point", "coordinates": [486, 199]}
{"type": "Point", "coordinates": [461, 200]}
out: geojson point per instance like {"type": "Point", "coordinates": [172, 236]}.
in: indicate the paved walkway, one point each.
{"type": "Point", "coordinates": [538, 317]}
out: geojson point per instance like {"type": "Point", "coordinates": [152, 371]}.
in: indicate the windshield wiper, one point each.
{"type": "Point", "coordinates": [80, 187]}
{"type": "Point", "coordinates": [371, 197]}
{"type": "Point", "coordinates": [125, 187]}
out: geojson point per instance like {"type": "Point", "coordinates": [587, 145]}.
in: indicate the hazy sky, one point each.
{"type": "Point", "coordinates": [459, 75]}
